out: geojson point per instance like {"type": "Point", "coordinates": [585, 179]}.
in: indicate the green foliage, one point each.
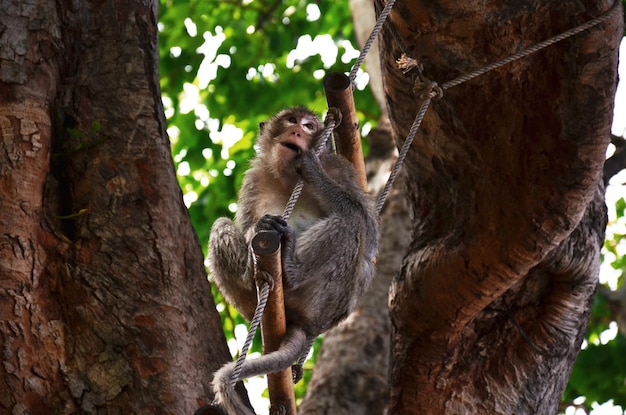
{"type": "Point", "coordinates": [599, 373]}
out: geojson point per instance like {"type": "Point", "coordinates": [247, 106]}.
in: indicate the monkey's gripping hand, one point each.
{"type": "Point", "coordinates": [308, 166]}
{"type": "Point", "coordinates": [287, 235]}
{"type": "Point", "coordinates": [273, 223]}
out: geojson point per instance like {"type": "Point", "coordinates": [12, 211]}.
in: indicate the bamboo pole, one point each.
{"type": "Point", "coordinates": [338, 89]}
{"type": "Point", "coordinates": [266, 247]}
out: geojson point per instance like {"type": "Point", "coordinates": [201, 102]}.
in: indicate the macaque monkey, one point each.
{"type": "Point", "coordinates": [328, 243]}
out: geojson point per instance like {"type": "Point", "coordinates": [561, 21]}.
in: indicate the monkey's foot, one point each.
{"type": "Point", "coordinates": [297, 372]}
{"type": "Point", "coordinates": [272, 223]}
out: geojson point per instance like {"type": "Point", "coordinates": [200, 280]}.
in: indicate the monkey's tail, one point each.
{"type": "Point", "coordinates": [291, 348]}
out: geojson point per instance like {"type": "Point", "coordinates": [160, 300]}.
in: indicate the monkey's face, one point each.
{"type": "Point", "coordinates": [288, 134]}
{"type": "Point", "coordinates": [298, 135]}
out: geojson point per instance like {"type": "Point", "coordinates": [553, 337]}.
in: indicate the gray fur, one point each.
{"type": "Point", "coordinates": [327, 259]}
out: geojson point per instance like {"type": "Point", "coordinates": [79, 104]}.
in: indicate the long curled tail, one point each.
{"type": "Point", "coordinates": [290, 350]}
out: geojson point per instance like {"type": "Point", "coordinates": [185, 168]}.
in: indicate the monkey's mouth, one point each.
{"type": "Point", "coordinates": [291, 146]}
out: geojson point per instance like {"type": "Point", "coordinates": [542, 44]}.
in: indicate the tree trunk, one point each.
{"type": "Point", "coordinates": [505, 189]}
{"type": "Point", "coordinates": [104, 303]}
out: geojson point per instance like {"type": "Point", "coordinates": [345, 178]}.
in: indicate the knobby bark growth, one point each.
{"type": "Point", "coordinates": [505, 188]}
{"type": "Point", "coordinates": [104, 303]}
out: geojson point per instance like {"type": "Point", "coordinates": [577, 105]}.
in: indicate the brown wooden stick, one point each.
{"type": "Point", "coordinates": [266, 246]}
{"type": "Point", "coordinates": [338, 89]}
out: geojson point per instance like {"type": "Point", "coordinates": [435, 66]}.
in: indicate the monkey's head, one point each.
{"type": "Point", "coordinates": [285, 136]}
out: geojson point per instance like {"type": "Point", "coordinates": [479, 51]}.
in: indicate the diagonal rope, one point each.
{"type": "Point", "coordinates": [382, 198]}
{"type": "Point", "coordinates": [370, 40]}
{"type": "Point", "coordinates": [328, 129]}
{"type": "Point", "coordinates": [264, 292]}
{"type": "Point", "coordinates": [541, 45]}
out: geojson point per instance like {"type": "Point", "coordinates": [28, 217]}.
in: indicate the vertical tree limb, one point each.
{"type": "Point", "coordinates": [338, 89]}
{"type": "Point", "coordinates": [266, 246]}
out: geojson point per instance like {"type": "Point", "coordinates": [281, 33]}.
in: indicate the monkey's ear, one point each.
{"type": "Point", "coordinates": [262, 125]}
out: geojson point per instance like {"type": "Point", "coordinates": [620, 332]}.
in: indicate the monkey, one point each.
{"type": "Point", "coordinates": [328, 243]}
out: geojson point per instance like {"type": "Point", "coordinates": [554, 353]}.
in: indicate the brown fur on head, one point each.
{"type": "Point", "coordinates": [285, 136]}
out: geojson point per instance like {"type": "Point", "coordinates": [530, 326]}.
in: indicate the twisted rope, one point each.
{"type": "Point", "coordinates": [533, 49]}
{"type": "Point", "coordinates": [264, 292]}
{"type": "Point", "coordinates": [328, 129]}
{"type": "Point", "coordinates": [403, 152]}
{"type": "Point", "coordinates": [370, 40]}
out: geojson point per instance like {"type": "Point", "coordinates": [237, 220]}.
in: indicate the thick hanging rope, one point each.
{"type": "Point", "coordinates": [264, 292]}
{"type": "Point", "coordinates": [382, 198]}
{"type": "Point", "coordinates": [435, 91]}
{"type": "Point", "coordinates": [332, 119]}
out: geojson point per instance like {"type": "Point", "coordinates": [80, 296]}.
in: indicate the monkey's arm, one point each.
{"type": "Point", "coordinates": [231, 266]}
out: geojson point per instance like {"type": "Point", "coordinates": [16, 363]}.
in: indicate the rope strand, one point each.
{"type": "Point", "coordinates": [403, 152]}
{"type": "Point", "coordinates": [370, 40]}
{"type": "Point", "coordinates": [536, 48]}
{"type": "Point", "coordinates": [254, 324]}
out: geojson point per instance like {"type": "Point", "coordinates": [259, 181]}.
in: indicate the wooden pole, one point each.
{"type": "Point", "coordinates": [338, 89]}
{"type": "Point", "coordinates": [266, 247]}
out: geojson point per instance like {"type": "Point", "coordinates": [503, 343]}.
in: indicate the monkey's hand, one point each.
{"type": "Point", "coordinates": [272, 223]}
{"type": "Point", "coordinates": [286, 233]}
{"type": "Point", "coordinates": [308, 166]}
{"type": "Point", "coordinates": [279, 225]}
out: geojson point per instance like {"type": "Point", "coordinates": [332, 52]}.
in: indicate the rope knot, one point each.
{"type": "Point", "coordinates": [334, 114]}
{"type": "Point", "coordinates": [436, 92]}
{"type": "Point", "coordinates": [427, 89]}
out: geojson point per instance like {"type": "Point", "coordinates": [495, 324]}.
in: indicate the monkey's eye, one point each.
{"type": "Point", "coordinates": [309, 126]}
{"type": "Point", "coordinates": [292, 120]}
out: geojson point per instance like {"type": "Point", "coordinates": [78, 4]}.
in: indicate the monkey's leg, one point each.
{"type": "Point", "coordinates": [291, 349]}
{"type": "Point", "coordinates": [231, 266]}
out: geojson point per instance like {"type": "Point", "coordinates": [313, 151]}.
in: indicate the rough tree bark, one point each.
{"type": "Point", "coordinates": [104, 303]}
{"type": "Point", "coordinates": [504, 181]}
